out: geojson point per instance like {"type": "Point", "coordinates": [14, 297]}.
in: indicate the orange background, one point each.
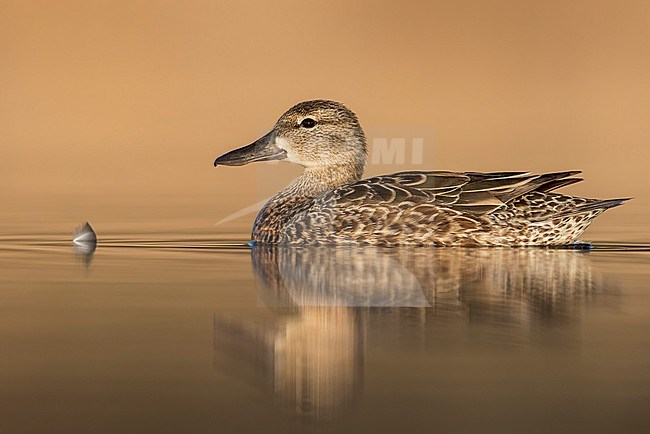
{"type": "Point", "coordinates": [106, 105]}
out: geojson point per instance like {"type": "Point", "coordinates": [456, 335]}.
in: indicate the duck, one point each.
{"type": "Point", "coordinates": [330, 203]}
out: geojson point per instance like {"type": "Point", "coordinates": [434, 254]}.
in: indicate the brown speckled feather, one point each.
{"type": "Point", "coordinates": [446, 209]}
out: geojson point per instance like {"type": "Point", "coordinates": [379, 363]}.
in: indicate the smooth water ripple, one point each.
{"type": "Point", "coordinates": [192, 333]}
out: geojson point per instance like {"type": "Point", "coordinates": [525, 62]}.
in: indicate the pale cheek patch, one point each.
{"type": "Point", "coordinates": [283, 143]}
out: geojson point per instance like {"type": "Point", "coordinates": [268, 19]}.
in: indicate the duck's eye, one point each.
{"type": "Point", "coordinates": [308, 123]}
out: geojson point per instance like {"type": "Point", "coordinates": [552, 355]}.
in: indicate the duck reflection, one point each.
{"type": "Point", "coordinates": [330, 303]}
{"type": "Point", "coordinates": [312, 361]}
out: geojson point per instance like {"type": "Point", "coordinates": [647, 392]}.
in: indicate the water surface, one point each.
{"type": "Point", "coordinates": [198, 334]}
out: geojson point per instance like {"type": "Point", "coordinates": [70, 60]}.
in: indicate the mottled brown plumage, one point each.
{"type": "Point", "coordinates": [328, 204]}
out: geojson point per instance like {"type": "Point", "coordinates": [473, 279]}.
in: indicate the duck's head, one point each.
{"type": "Point", "coordinates": [313, 134]}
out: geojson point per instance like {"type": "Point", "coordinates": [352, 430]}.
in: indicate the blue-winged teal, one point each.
{"type": "Point", "coordinates": [330, 203]}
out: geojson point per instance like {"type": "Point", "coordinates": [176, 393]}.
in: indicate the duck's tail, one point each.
{"type": "Point", "coordinates": [565, 226]}
{"type": "Point", "coordinates": [596, 206]}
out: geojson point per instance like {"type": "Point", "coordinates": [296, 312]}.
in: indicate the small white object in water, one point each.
{"type": "Point", "coordinates": [84, 234]}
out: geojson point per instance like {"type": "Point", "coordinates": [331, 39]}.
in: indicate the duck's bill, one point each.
{"type": "Point", "coordinates": [263, 149]}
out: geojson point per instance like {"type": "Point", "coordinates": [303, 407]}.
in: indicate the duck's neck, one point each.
{"type": "Point", "coordinates": [315, 181]}
{"type": "Point", "coordinates": [298, 195]}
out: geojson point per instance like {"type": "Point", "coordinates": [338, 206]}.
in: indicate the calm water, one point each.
{"type": "Point", "coordinates": [194, 334]}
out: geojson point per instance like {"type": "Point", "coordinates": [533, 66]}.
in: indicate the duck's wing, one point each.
{"type": "Point", "coordinates": [467, 192]}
